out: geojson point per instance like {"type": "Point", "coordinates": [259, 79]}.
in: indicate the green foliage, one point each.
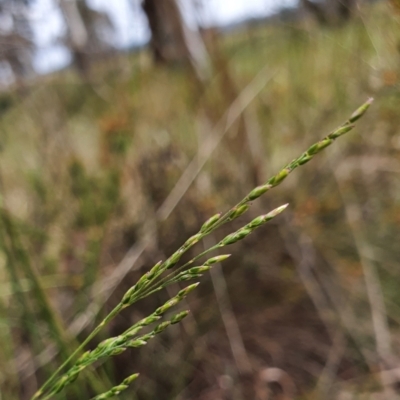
{"type": "Point", "coordinates": [97, 196]}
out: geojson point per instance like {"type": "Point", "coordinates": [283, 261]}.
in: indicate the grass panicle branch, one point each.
{"type": "Point", "coordinates": [118, 344]}
{"type": "Point", "coordinates": [116, 390]}
{"type": "Point", "coordinates": [153, 281]}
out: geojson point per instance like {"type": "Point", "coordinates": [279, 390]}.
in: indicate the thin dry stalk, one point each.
{"type": "Point", "coordinates": [372, 284]}
{"type": "Point", "coordinates": [231, 325]}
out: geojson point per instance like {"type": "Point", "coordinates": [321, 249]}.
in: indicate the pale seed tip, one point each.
{"type": "Point", "coordinates": [280, 209]}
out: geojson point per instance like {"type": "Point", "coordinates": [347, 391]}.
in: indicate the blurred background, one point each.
{"type": "Point", "coordinates": [125, 124]}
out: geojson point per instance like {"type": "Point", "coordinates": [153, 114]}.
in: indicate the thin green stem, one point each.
{"type": "Point", "coordinates": [105, 321]}
{"type": "Point", "coordinates": [164, 281]}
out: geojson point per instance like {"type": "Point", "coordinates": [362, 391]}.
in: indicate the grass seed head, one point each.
{"type": "Point", "coordinates": [187, 277]}
{"type": "Point", "coordinates": [341, 131]}
{"type": "Point", "coordinates": [361, 110]}
{"type": "Point", "coordinates": [184, 292]}
{"type": "Point", "coordinates": [279, 177]}
{"type": "Point", "coordinates": [127, 298]}
{"type": "Point", "coordinates": [276, 211]}
{"type": "Point", "coordinates": [305, 158]}
{"type": "Point", "coordinates": [198, 270]}
{"type": "Point", "coordinates": [170, 303]}
{"type": "Point", "coordinates": [130, 379]}
{"type": "Point", "coordinates": [173, 260]}
{"type": "Point", "coordinates": [210, 222]}
{"type": "Point", "coordinates": [179, 317]}
{"type": "Point", "coordinates": [238, 211]}
{"type": "Point", "coordinates": [115, 352]}
{"type": "Point", "coordinates": [217, 259]}
{"type": "Point", "coordinates": [154, 270]}
{"type": "Point", "coordinates": [161, 327]}
{"type": "Point", "coordinates": [258, 191]}
{"type": "Point", "coordinates": [148, 320]}
{"type": "Point", "coordinates": [136, 343]}
{"type": "Point", "coordinates": [192, 240]}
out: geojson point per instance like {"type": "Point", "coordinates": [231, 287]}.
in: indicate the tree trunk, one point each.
{"type": "Point", "coordinates": [77, 34]}
{"type": "Point", "coordinates": [345, 9]}
{"type": "Point", "coordinates": [330, 12]}
{"type": "Point", "coordinates": [316, 10]}
{"type": "Point", "coordinates": [171, 40]}
{"type": "Point", "coordinates": [16, 45]}
{"type": "Point", "coordinates": [167, 40]}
